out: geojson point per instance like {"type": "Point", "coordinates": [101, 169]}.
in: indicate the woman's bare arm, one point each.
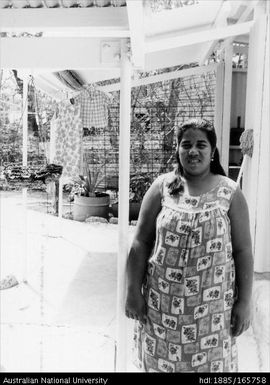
{"type": "Point", "coordinates": [140, 251]}
{"type": "Point", "coordinates": [243, 258]}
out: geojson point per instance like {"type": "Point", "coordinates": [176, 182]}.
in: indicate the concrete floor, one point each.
{"type": "Point", "coordinates": [64, 318]}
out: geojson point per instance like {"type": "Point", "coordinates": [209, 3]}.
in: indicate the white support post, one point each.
{"type": "Point", "coordinates": [24, 191]}
{"type": "Point", "coordinates": [25, 118]}
{"type": "Point", "coordinates": [219, 95]}
{"type": "Point", "coordinates": [123, 241]}
{"type": "Point", "coordinates": [262, 244]}
{"type": "Point", "coordinates": [226, 121]}
{"type": "Point", "coordinates": [60, 198]}
{"type": "Point", "coordinates": [136, 25]}
{"type": "Point", "coordinates": [256, 174]}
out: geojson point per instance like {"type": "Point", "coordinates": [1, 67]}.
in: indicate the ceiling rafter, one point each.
{"type": "Point", "coordinates": [235, 6]}
{"type": "Point", "coordinates": [220, 21]}
{"type": "Point", "coordinates": [209, 34]}
{"type": "Point", "coordinates": [199, 14]}
{"type": "Point", "coordinates": [244, 16]}
{"type": "Point", "coordinates": [53, 52]}
{"type": "Point", "coordinates": [97, 20]}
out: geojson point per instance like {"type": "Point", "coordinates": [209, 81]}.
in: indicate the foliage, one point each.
{"type": "Point", "coordinates": [41, 109]}
{"type": "Point", "coordinates": [156, 110]}
{"type": "Point", "coordinates": [161, 5]}
{"type": "Point", "coordinates": [139, 184]}
{"type": "Point", "coordinates": [87, 185]}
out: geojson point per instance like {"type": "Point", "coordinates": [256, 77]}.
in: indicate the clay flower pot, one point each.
{"type": "Point", "coordinates": [96, 206]}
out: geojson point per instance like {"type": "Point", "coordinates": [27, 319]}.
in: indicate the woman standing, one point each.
{"type": "Point", "coordinates": [190, 266]}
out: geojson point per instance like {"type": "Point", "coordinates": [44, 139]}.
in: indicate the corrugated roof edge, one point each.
{"type": "Point", "coordinates": [17, 4]}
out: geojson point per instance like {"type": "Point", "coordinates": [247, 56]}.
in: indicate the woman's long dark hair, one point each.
{"type": "Point", "coordinates": [176, 185]}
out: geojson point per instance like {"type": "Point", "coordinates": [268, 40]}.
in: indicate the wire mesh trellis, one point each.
{"type": "Point", "coordinates": [156, 110]}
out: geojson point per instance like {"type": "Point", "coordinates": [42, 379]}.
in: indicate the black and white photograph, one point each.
{"type": "Point", "coordinates": [134, 191]}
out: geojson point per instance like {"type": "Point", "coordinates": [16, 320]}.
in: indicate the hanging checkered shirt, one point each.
{"type": "Point", "coordinates": [94, 107]}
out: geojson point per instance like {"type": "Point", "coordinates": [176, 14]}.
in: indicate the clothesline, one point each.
{"type": "Point", "coordinates": [89, 110]}
{"type": "Point", "coordinates": [69, 94]}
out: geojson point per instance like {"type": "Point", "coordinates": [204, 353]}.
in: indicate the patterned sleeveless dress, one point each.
{"type": "Point", "coordinates": [190, 286]}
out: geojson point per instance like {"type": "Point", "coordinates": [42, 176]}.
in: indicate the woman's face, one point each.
{"type": "Point", "coordinates": [195, 152]}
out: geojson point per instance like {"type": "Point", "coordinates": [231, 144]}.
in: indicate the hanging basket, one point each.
{"type": "Point", "coordinates": [85, 207]}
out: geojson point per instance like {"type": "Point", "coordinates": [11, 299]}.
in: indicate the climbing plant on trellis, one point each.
{"type": "Point", "coordinates": [156, 110]}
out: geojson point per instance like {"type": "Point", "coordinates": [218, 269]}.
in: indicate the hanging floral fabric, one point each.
{"type": "Point", "coordinates": [53, 128]}
{"type": "Point", "coordinates": [68, 139]}
{"type": "Point", "coordinates": [94, 107]}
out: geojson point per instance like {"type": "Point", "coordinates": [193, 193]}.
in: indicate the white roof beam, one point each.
{"type": "Point", "coordinates": [89, 32]}
{"type": "Point", "coordinates": [199, 14]}
{"type": "Point", "coordinates": [53, 53]}
{"type": "Point", "coordinates": [210, 34]}
{"type": "Point", "coordinates": [227, 8]}
{"type": "Point", "coordinates": [220, 21]}
{"type": "Point", "coordinates": [136, 25]}
{"type": "Point", "coordinates": [94, 20]}
{"type": "Point", "coordinates": [250, 7]}
{"type": "Point", "coordinates": [235, 5]}
{"type": "Point", "coordinates": [164, 77]}
{"type": "Point", "coordinates": [174, 57]}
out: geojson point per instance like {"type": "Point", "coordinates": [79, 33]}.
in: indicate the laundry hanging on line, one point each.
{"type": "Point", "coordinates": [94, 107]}
{"type": "Point", "coordinates": [66, 140]}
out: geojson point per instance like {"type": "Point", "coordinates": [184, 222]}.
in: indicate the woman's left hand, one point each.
{"type": "Point", "coordinates": [240, 318]}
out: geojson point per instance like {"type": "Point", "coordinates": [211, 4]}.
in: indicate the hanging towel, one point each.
{"type": "Point", "coordinates": [68, 140]}
{"type": "Point", "coordinates": [94, 107]}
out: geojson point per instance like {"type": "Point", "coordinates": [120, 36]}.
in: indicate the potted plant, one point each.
{"type": "Point", "coordinates": [139, 184]}
{"type": "Point", "coordinates": [87, 200]}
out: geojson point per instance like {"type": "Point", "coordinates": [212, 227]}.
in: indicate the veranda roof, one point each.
{"type": "Point", "coordinates": [85, 35]}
